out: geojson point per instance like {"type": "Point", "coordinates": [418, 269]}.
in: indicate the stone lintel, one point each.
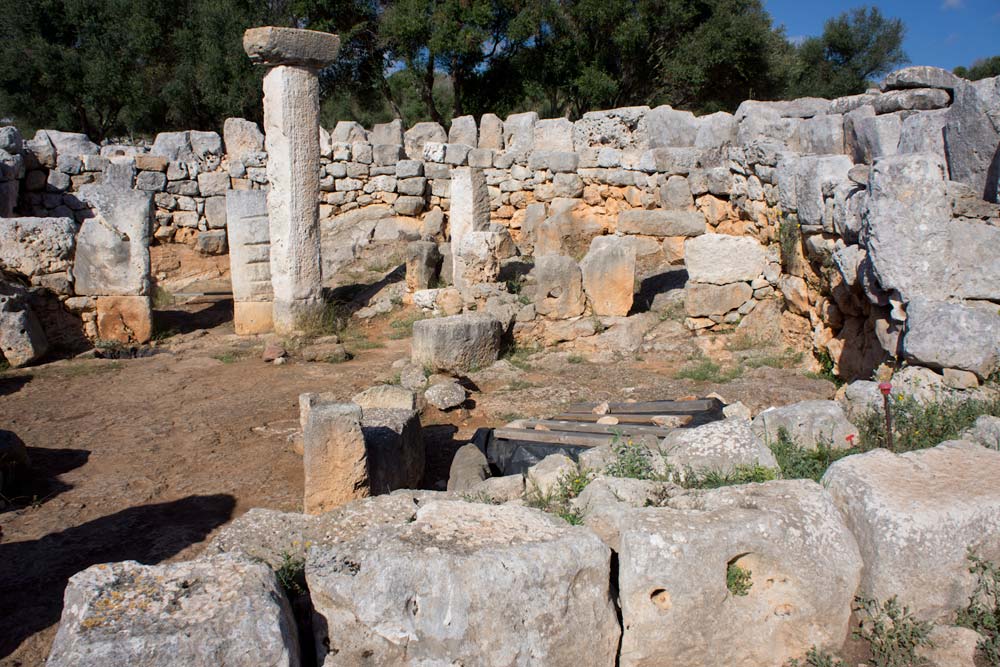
{"type": "Point", "coordinates": [289, 46]}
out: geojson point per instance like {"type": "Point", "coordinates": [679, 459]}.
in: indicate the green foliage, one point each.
{"type": "Point", "coordinates": [327, 321]}
{"type": "Point", "coordinates": [855, 49]}
{"type": "Point", "coordinates": [893, 634]}
{"type": "Point", "coordinates": [797, 462]}
{"type": "Point", "coordinates": [789, 238]}
{"type": "Point", "coordinates": [787, 359]}
{"type": "Point", "coordinates": [162, 297]}
{"type": "Point", "coordinates": [480, 497]}
{"type": "Point", "coordinates": [706, 370]}
{"type": "Point", "coordinates": [575, 359]}
{"type": "Point", "coordinates": [983, 612]}
{"type": "Point", "coordinates": [739, 474]}
{"type": "Point", "coordinates": [826, 369]}
{"type": "Point", "coordinates": [403, 327]}
{"type": "Point", "coordinates": [919, 425]}
{"type": "Point", "coordinates": [291, 574]}
{"type": "Point", "coordinates": [983, 68]}
{"type": "Point", "coordinates": [229, 356]}
{"type": "Point", "coordinates": [738, 579]}
{"type": "Point", "coordinates": [817, 658]}
{"type": "Point", "coordinates": [558, 500]}
{"type": "Point", "coordinates": [518, 355]}
{"type": "Point", "coordinates": [632, 460]}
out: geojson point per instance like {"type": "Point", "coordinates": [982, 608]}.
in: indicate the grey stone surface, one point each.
{"type": "Point", "coordinates": [390, 133]}
{"type": "Point", "coordinates": [242, 137]}
{"type": "Point", "coordinates": [915, 516]}
{"type": "Point", "coordinates": [469, 467]}
{"type": "Point", "coordinates": [386, 396]}
{"type": "Point", "coordinates": [553, 134]}
{"type": "Point", "coordinates": [36, 247]}
{"type": "Point", "coordinates": [335, 458]}
{"type": "Point", "coordinates": [721, 259]}
{"type": "Point", "coordinates": [69, 143]}
{"type": "Point", "coordinates": [249, 245]}
{"type": "Point", "coordinates": [289, 46]}
{"type": "Point", "coordinates": [869, 136]}
{"type": "Point", "coordinates": [222, 610]}
{"type": "Point", "coordinates": [802, 562]}
{"type": "Point", "coordinates": [458, 343]}
{"type": "Point", "coordinates": [719, 446]}
{"type": "Point", "coordinates": [921, 76]}
{"type": "Point", "coordinates": [112, 249]}
{"type": "Point", "coordinates": [952, 335]}
{"type": "Point", "coordinates": [662, 222]}
{"type": "Point", "coordinates": [558, 287]}
{"type": "Point", "coordinates": [971, 137]}
{"type": "Point", "coordinates": [519, 134]}
{"type": "Point", "coordinates": [22, 339]}
{"type": "Point", "coordinates": [445, 395]}
{"type": "Point", "coordinates": [671, 127]}
{"type": "Point", "coordinates": [396, 593]}
{"type": "Point", "coordinates": [915, 99]}
{"type": "Point", "coordinates": [705, 299]}
{"type": "Point", "coordinates": [808, 424]}
{"type": "Point", "coordinates": [623, 128]}
{"type": "Point", "coordinates": [608, 272]}
{"type": "Point", "coordinates": [394, 443]}
{"type": "Point", "coordinates": [175, 146]}
{"type": "Point", "coordinates": [816, 174]}
{"type": "Point", "coordinates": [415, 138]}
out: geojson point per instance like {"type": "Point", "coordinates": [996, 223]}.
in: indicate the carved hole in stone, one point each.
{"type": "Point", "coordinates": [412, 606]}
{"type": "Point", "coordinates": [738, 575]}
{"type": "Point", "coordinates": [661, 598]}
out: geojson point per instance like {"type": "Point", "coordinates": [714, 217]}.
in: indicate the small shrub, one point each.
{"type": "Point", "coordinates": [673, 312]}
{"type": "Point", "coordinates": [291, 574]}
{"type": "Point", "coordinates": [327, 321]}
{"type": "Point", "coordinates": [789, 237]}
{"type": "Point", "coordinates": [826, 369]}
{"type": "Point", "coordinates": [229, 356]}
{"type": "Point", "coordinates": [797, 462]}
{"type": "Point", "coordinates": [403, 327]}
{"type": "Point", "coordinates": [742, 341]}
{"type": "Point", "coordinates": [510, 417]}
{"type": "Point", "coordinates": [575, 359]}
{"type": "Point", "coordinates": [893, 634]}
{"type": "Point", "coordinates": [518, 356]}
{"type": "Point", "coordinates": [919, 425]}
{"type": "Point", "coordinates": [738, 580]}
{"type": "Point", "coordinates": [740, 474]}
{"type": "Point", "coordinates": [557, 501]}
{"type": "Point", "coordinates": [631, 461]}
{"type": "Point", "coordinates": [480, 497]}
{"type": "Point", "coordinates": [519, 385]}
{"type": "Point", "coordinates": [983, 612]}
{"type": "Point", "coordinates": [162, 298]}
{"type": "Point", "coordinates": [707, 370]}
{"type": "Point", "coordinates": [816, 658]}
{"type": "Point", "coordinates": [787, 359]}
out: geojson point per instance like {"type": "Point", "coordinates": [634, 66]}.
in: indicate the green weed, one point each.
{"type": "Point", "coordinates": [919, 425]}
{"type": "Point", "coordinates": [327, 321]}
{"type": "Point", "coordinates": [797, 462]}
{"type": "Point", "coordinates": [816, 658]}
{"type": "Point", "coordinates": [162, 298]}
{"type": "Point", "coordinates": [403, 327]}
{"type": "Point", "coordinates": [230, 356]}
{"type": "Point", "coordinates": [983, 612]}
{"type": "Point", "coordinates": [787, 359]}
{"type": "Point", "coordinates": [291, 574]}
{"type": "Point", "coordinates": [739, 474]}
{"type": "Point", "coordinates": [738, 579]}
{"type": "Point", "coordinates": [518, 356]}
{"type": "Point", "coordinates": [707, 370]}
{"type": "Point", "coordinates": [632, 460]}
{"type": "Point", "coordinates": [893, 634]}
{"type": "Point", "coordinates": [575, 359]}
{"type": "Point", "coordinates": [558, 500]}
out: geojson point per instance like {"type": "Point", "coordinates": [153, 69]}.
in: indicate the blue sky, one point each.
{"type": "Point", "coordinates": [945, 33]}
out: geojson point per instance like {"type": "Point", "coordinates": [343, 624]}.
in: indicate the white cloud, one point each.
{"type": "Point", "coordinates": [952, 4]}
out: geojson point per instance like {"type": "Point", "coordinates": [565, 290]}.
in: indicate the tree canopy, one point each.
{"type": "Point", "coordinates": [984, 68]}
{"type": "Point", "coordinates": [120, 67]}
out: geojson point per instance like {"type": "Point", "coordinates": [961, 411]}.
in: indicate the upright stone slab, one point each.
{"type": "Point", "coordinates": [609, 276]}
{"type": "Point", "coordinates": [22, 339]}
{"type": "Point", "coordinates": [470, 205]}
{"type": "Point", "coordinates": [335, 458]}
{"type": "Point", "coordinates": [112, 248]}
{"type": "Point", "coordinates": [249, 260]}
{"type": "Point", "coordinates": [291, 125]}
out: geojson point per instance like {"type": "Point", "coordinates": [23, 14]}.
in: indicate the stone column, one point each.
{"type": "Point", "coordinates": [249, 261]}
{"type": "Point", "coordinates": [291, 129]}
{"type": "Point", "coordinates": [469, 211]}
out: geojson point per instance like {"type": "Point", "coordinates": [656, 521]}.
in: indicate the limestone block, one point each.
{"type": "Point", "coordinates": [445, 395]}
{"type": "Point", "coordinates": [22, 339]}
{"type": "Point", "coordinates": [914, 246]}
{"type": "Point", "coordinates": [519, 134]}
{"type": "Point", "coordinates": [952, 335]}
{"type": "Point", "coordinates": [915, 516]}
{"type": "Point", "coordinates": [242, 137]}
{"type": "Point", "coordinates": [802, 564]}
{"type": "Point", "coordinates": [869, 137]}
{"type": "Point", "coordinates": [423, 265]}
{"type": "Point", "coordinates": [211, 242]}
{"type": "Point", "coordinates": [34, 247]}
{"type": "Point", "coordinates": [553, 134]}
{"type": "Point", "coordinates": [419, 135]}
{"type": "Point", "coordinates": [408, 205]}
{"type": "Point", "coordinates": [457, 343]}
{"type": "Point", "coordinates": [335, 458]}
{"type": "Point", "coordinates": [463, 131]}
{"type": "Point", "coordinates": [671, 127]}
{"type": "Point", "coordinates": [808, 424]}
{"type": "Point", "coordinates": [923, 133]}
{"type": "Point", "coordinates": [921, 76]}
{"type": "Point", "coordinates": [69, 143]}
{"type": "Point", "coordinates": [468, 468]}
{"type": "Point", "coordinates": [675, 193]}
{"type": "Point", "coordinates": [544, 477]}
{"type": "Point", "coordinates": [557, 161]}
{"type": "Point", "coordinates": [507, 570]}
{"type": "Point", "coordinates": [175, 146]}
{"type": "Point", "coordinates": [11, 140]}
{"type": "Point", "coordinates": [390, 133]}
{"type": "Point", "coordinates": [476, 258]}
{"type": "Point", "coordinates": [289, 46]}
{"type": "Point", "coordinates": [253, 317]}
{"type": "Point", "coordinates": [715, 130]}
{"type": "Point", "coordinates": [623, 128]}
{"type": "Point", "coordinates": [347, 132]}
{"type": "Point", "coordinates": [661, 222]}
{"type": "Point", "coordinates": [719, 446]}
{"type": "Point", "coordinates": [220, 610]}
{"type": "Point", "coordinates": [470, 203]}
{"type": "Point", "coordinates": [387, 155]}
{"type": "Point", "coordinates": [125, 319]}
{"type": "Point", "coordinates": [721, 259]}
{"type": "Point", "coordinates": [491, 132]}
{"type": "Point", "coordinates": [913, 99]}
{"type": "Point", "coordinates": [608, 272]}
{"type": "Point", "coordinates": [112, 249]}
{"type": "Point", "coordinates": [705, 299]}
{"type": "Point", "coordinates": [395, 448]}
{"type": "Point", "coordinates": [249, 246]}
{"type": "Point", "coordinates": [971, 135]}
{"type": "Point", "coordinates": [821, 135]}
{"type": "Point", "coordinates": [213, 184]}
{"type": "Point", "coordinates": [558, 287]}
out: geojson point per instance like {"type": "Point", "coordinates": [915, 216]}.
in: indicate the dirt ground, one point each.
{"type": "Point", "coordinates": [144, 459]}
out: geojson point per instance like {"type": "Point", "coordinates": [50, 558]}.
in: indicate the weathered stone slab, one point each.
{"type": "Point", "coordinates": [458, 343]}
{"type": "Point", "coordinates": [22, 339]}
{"type": "Point", "coordinates": [921, 76]}
{"type": "Point", "coordinates": [952, 335]}
{"type": "Point", "coordinates": [335, 458]}
{"type": "Point", "coordinates": [624, 129]}
{"type": "Point", "coordinates": [223, 610]}
{"type": "Point", "coordinates": [290, 46]}
{"type": "Point", "coordinates": [801, 568]}
{"type": "Point", "coordinates": [661, 222]}
{"type": "Point", "coordinates": [249, 245]}
{"type": "Point", "coordinates": [721, 259]}
{"type": "Point", "coordinates": [35, 247]}
{"type": "Point", "coordinates": [914, 99]}
{"type": "Point", "coordinates": [469, 583]}
{"type": "Point", "coordinates": [394, 443]}
{"type": "Point", "coordinates": [608, 272]}
{"type": "Point", "coordinates": [915, 516]}
{"type": "Point", "coordinates": [808, 424]}
{"type": "Point", "coordinates": [704, 299]}
{"type": "Point", "coordinates": [419, 135]}
{"type": "Point", "coordinates": [112, 249]}
{"type": "Point", "coordinates": [242, 138]}
{"type": "Point", "coordinates": [972, 135]}
{"type": "Point", "coordinates": [553, 134]}
{"type": "Point", "coordinates": [719, 446]}
{"type": "Point", "coordinates": [558, 287]}
{"type": "Point", "coordinates": [125, 319]}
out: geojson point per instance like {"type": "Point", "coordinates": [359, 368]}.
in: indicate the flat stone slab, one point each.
{"type": "Point", "coordinates": [289, 46]}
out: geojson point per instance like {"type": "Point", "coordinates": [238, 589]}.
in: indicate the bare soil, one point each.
{"type": "Point", "coordinates": [144, 459]}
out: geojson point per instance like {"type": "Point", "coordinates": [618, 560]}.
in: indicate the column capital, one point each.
{"type": "Point", "coordinates": [273, 46]}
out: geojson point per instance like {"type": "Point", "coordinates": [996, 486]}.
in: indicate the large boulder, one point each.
{"type": "Point", "coordinates": [921, 76]}
{"type": "Point", "coordinates": [419, 135]}
{"type": "Point", "coordinates": [466, 583]}
{"type": "Point", "coordinates": [808, 424]}
{"type": "Point", "coordinates": [270, 45]}
{"type": "Point", "coordinates": [704, 299]}
{"type": "Point", "coordinates": [242, 137]}
{"type": "Point", "coordinates": [623, 129]}
{"type": "Point", "coordinates": [914, 246]}
{"type": "Point", "coordinates": [112, 249]}
{"type": "Point", "coordinates": [608, 272]}
{"type": "Point", "coordinates": [222, 610]}
{"type": "Point", "coordinates": [721, 259]}
{"type": "Point", "coordinates": [458, 343]}
{"type": "Point", "coordinates": [972, 136]}
{"type": "Point", "coordinates": [719, 446]}
{"type": "Point", "coordinates": [558, 287]}
{"type": "Point", "coordinates": [37, 247]}
{"type": "Point", "coordinates": [952, 335]}
{"type": "Point", "coordinates": [791, 564]}
{"type": "Point", "coordinates": [22, 339]}
{"type": "Point", "coordinates": [73, 144]}
{"type": "Point", "coordinates": [469, 467]}
{"type": "Point", "coordinates": [916, 516]}
{"type": "Point", "coordinates": [335, 458]}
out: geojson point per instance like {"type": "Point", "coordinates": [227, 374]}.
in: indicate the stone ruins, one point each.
{"type": "Point", "coordinates": [862, 229]}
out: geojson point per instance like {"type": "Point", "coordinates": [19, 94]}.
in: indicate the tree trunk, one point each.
{"type": "Point", "coordinates": [428, 90]}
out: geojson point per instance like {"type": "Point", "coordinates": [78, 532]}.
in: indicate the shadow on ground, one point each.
{"type": "Point", "coordinates": [35, 572]}
{"type": "Point", "coordinates": [193, 318]}
{"type": "Point", "coordinates": [40, 482]}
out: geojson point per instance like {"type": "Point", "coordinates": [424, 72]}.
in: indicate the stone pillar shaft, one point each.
{"type": "Point", "coordinates": [291, 127]}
